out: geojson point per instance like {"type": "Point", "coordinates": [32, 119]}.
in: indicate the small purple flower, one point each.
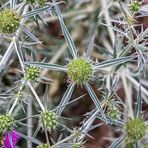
{"type": "Point", "coordinates": [11, 138]}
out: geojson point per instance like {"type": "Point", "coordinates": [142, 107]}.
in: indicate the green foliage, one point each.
{"type": "Point", "coordinates": [9, 21]}
{"type": "Point", "coordinates": [80, 70]}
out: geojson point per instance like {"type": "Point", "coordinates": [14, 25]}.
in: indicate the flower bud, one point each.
{"type": "Point", "coordinates": [48, 120]}
{"type": "Point", "coordinates": [32, 73]}
{"type": "Point", "coordinates": [114, 113]}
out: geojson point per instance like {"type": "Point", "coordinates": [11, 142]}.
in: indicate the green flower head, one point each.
{"type": "Point", "coordinates": [32, 73]}
{"type": "Point", "coordinates": [9, 21]}
{"type": "Point", "coordinates": [135, 6]}
{"type": "Point", "coordinates": [48, 120]}
{"type": "Point", "coordinates": [6, 123]}
{"type": "Point", "coordinates": [43, 146]}
{"type": "Point", "coordinates": [114, 113]}
{"type": "Point", "coordinates": [135, 129]}
{"type": "Point", "coordinates": [75, 146]}
{"type": "Point", "coordinates": [80, 70]}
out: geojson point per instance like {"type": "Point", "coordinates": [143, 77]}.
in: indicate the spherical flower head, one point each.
{"type": "Point", "coordinates": [8, 143]}
{"type": "Point", "coordinates": [9, 21]}
{"type": "Point", "coordinates": [114, 113]}
{"type": "Point", "coordinates": [135, 129]}
{"type": "Point", "coordinates": [32, 73]}
{"type": "Point", "coordinates": [6, 123]}
{"type": "Point", "coordinates": [80, 70]}
{"type": "Point", "coordinates": [48, 120]}
{"type": "Point", "coordinates": [135, 6]}
{"type": "Point", "coordinates": [43, 146]}
{"type": "Point", "coordinates": [75, 146]}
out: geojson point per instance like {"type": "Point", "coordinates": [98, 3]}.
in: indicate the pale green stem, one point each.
{"type": "Point", "coordinates": [64, 140]}
{"type": "Point", "coordinates": [107, 19]}
{"type": "Point", "coordinates": [128, 93]}
{"type": "Point", "coordinates": [36, 96]}
{"type": "Point", "coordinates": [17, 98]}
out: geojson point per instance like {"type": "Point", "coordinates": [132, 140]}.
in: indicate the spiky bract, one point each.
{"type": "Point", "coordinates": [80, 70]}
{"type": "Point", "coordinates": [9, 21]}
{"type": "Point", "coordinates": [135, 129]}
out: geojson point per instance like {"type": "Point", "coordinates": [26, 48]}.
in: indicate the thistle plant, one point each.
{"type": "Point", "coordinates": [80, 69]}
{"type": "Point", "coordinates": [55, 103]}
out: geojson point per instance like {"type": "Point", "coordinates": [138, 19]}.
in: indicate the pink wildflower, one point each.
{"type": "Point", "coordinates": [11, 139]}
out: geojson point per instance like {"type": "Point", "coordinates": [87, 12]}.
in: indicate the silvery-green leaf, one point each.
{"type": "Point", "coordinates": [113, 62]}
{"type": "Point", "coordinates": [66, 33]}
{"type": "Point", "coordinates": [36, 12]}
{"type": "Point", "coordinates": [19, 49]}
{"type": "Point", "coordinates": [12, 3]}
{"type": "Point", "coordinates": [90, 48]}
{"type": "Point", "coordinates": [117, 142]}
{"type": "Point", "coordinates": [66, 97]}
{"type": "Point", "coordinates": [48, 66]}
{"type": "Point", "coordinates": [31, 139]}
{"type": "Point", "coordinates": [30, 34]}
{"type": "Point", "coordinates": [110, 121]}
{"type": "Point", "coordinates": [138, 107]}
{"type": "Point", "coordinates": [95, 99]}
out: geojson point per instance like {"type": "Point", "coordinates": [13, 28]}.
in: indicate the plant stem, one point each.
{"type": "Point", "coordinates": [36, 96]}
{"type": "Point", "coordinates": [16, 100]}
